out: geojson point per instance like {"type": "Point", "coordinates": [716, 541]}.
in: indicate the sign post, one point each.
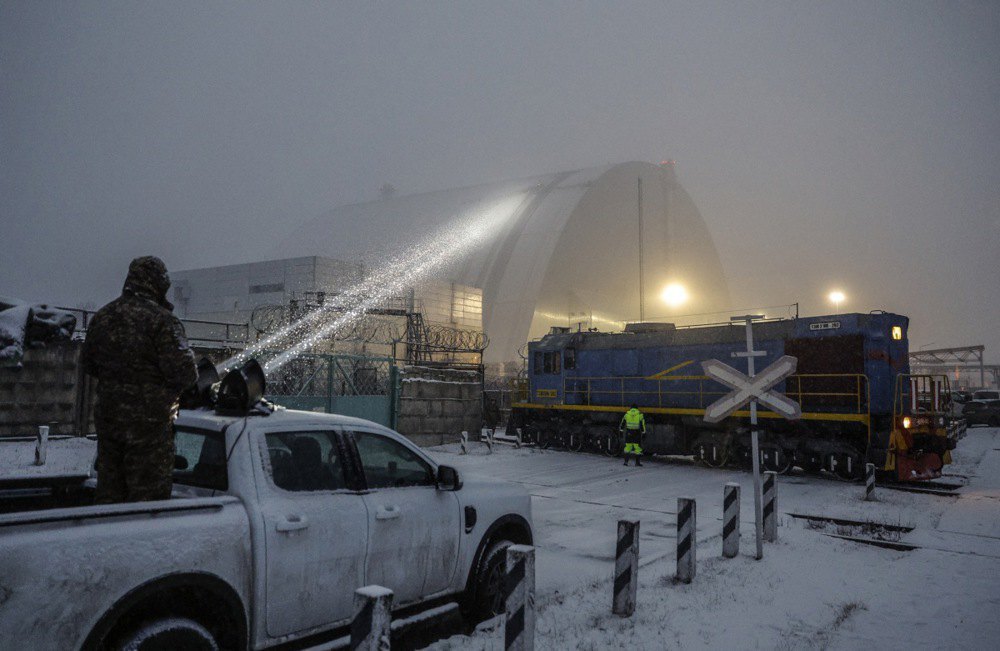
{"type": "Point", "coordinates": [751, 388]}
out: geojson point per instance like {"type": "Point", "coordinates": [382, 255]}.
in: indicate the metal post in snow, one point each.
{"type": "Point", "coordinates": [518, 440]}
{"type": "Point", "coordinates": [770, 506]}
{"type": "Point", "coordinates": [687, 515]}
{"type": "Point", "coordinates": [869, 481]}
{"type": "Point", "coordinates": [489, 440]}
{"type": "Point", "coordinates": [754, 444]}
{"type": "Point", "coordinates": [731, 521]}
{"type": "Point", "coordinates": [519, 622]}
{"type": "Point", "coordinates": [371, 626]}
{"type": "Point", "coordinates": [465, 442]}
{"type": "Point", "coordinates": [41, 445]}
{"type": "Point", "coordinates": [626, 568]}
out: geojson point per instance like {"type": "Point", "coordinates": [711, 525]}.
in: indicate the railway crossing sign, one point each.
{"type": "Point", "coordinates": [746, 388]}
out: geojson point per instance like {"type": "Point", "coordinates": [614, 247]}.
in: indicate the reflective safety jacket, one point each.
{"type": "Point", "coordinates": [634, 420]}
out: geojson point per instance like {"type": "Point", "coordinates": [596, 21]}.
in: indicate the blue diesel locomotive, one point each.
{"type": "Point", "coordinates": [859, 402]}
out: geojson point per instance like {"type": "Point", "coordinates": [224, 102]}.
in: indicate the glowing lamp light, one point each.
{"type": "Point", "coordinates": [836, 297]}
{"type": "Point", "coordinates": [674, 294]}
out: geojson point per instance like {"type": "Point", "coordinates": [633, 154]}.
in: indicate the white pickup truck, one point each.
{"type": "Point", "coordinates": [275, 520]}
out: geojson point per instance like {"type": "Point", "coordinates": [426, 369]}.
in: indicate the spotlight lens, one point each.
{"type": "Point", "coordinates": [837, 297]}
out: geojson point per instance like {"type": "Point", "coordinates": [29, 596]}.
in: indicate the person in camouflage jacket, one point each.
{"type": "Point", "coordinates": [137, 350]}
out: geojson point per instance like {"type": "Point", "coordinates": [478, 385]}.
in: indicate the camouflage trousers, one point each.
{"type": "Point", "coordinates": [134, 461]}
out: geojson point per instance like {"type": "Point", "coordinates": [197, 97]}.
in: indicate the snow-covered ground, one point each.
{"type": "Point", "coordinates": [811, 590]}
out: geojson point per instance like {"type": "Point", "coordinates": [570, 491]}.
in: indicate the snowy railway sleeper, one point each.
{"type": "Point", "coordinates": [860, 404]}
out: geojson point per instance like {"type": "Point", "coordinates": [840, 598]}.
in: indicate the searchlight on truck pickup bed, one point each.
{"type": "Point", "coordinates": [276, 517]}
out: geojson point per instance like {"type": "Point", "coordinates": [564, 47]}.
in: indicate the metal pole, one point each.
{"type": "Point", "coordinates": [687, 538]}
{"type": "Point", "coordinates": [519, 620]}
{"type": "Point", "coordinates": [626, 568]}
{"type": "Point", "coordinates": [642, 289]}
{"type": "Point", "coordinates": [731, 520]}
{"type": "Point", "coordinates": [755, 451]}
{"type": "Point", "coordinates": [371, 628]}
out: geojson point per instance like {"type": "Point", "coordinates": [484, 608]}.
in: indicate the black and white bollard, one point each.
{"type": "Point", "coordinates": [687, 524]}
{"type": "Point", "coordinates": [41, 445]}
{"type": "Point", "coordinates": [731, 521]}
{"type": "Point", "coordinates": [371, 626]}
{"type": "Point", "coordinates": [626, 568]}
{"type": "Point", "coordinates": [770, 506]}
{"type": "Point", "coordinates": [519, 623]}
{"type": "Point", "coordinates": [519, 440]}
{"type": "Point", "coordinates": [465, 442]}
{"type": "Point", "coordinates": [869, 481]}
{"type": "Point", "coordinates": [489, 440]}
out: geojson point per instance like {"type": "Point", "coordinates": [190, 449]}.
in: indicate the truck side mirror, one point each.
{"type": "Point", "coordinates": [448, 479]}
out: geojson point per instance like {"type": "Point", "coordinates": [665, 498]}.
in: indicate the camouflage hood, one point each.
{"type": "Point", "coordinates": [147, 278]}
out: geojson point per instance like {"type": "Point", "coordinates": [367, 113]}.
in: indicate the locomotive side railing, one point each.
{"type": "Point", "coordinates": [827, 392]}
{"type": "Point", "coordinates": [921, 394]}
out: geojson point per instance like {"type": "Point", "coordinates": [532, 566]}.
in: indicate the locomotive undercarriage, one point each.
{"type": "Point", "coordinates": [837, 447]}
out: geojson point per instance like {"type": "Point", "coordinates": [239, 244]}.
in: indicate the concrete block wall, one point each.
{"type": "Point", "coordinates": [437, 405]}
{"type": "Point", "coordinates": [50, 389]}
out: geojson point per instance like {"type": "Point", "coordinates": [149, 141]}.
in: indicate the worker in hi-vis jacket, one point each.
{"type": "Point", "coordinates": [633, 425]}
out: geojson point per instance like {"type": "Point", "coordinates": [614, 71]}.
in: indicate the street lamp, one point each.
{"type": "Point", "coordinates": [837, 297]}
{"type": "Point", "coordinates": [674, 295]}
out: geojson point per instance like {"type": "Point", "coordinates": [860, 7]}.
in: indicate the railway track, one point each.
{"type": "Point", "coordinates": [877, 534]}
{"type": "Point", "coordinates": [940, 489]}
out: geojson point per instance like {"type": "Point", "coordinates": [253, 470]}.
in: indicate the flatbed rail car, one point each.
{"type": "Point", "coordinates": [860, 404]}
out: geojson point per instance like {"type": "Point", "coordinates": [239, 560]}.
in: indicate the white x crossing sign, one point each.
{"type": "Point", "coordinates": [746, 388]}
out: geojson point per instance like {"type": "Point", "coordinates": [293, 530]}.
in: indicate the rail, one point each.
{"type": "Point", "coordinates": [843, 393]}
{"type": "Point", "coordinates": [199, 332]}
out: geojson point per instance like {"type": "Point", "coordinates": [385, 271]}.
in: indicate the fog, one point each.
{"type": "Point", "coordinates": [827, 145]}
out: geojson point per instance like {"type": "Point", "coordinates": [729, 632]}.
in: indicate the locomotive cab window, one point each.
{"type": "Point", "coordinates": [569, 358]}
{"type": "Point", "coordinates": [897, 332]}
{"type": "Point", "coordinates": [538, 364]}
{"type": "Point", "coordinates": [552, 363]}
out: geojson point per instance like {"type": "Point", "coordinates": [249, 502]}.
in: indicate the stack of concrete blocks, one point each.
{"type": "Point", "coordinates": [49, 389]}
{"type": "Point", "coordinates": [436, 405]}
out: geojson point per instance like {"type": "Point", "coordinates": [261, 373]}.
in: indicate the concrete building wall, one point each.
{"type": "Point", "coordinates": [230, 293]}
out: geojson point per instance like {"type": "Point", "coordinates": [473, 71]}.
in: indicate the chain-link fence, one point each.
{"type": "Point", "coordinates": [353, 385]}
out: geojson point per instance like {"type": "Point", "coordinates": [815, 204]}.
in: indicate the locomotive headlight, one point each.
{"type": "Point", "coordinates": [897, 332]}
{"type": "Point", "coordinates": [906, 422]}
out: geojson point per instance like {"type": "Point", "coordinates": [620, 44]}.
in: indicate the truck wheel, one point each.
{"type": "Point", "coordinates": [488, 595]}
{"type": "Point", "coordinates": [166, 635]}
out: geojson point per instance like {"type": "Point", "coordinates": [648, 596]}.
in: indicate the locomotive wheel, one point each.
{"type": "Point", "coordinates": [775, 459]}
{"type": "Point", "coordinates": [849, 467]}
{"type": "Point", "coordinates": [575, 442]}
{"type": "Point", "coordinates": [611, 445]}
{"type": "Point", "coordinates": [544, 440]}
{"type": "Point", "coordinates": [713, 456]}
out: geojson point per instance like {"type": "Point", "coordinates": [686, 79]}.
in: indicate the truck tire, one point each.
{"type": "Point", "coordinates": [168, 634]}
{"type": "Point", "coordinates": [488, 594]}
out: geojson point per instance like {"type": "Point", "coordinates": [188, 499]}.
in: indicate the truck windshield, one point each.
{"type": "Point", "coordinates": [201, 458]}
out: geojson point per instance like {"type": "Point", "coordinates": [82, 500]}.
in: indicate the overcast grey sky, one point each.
{"type": "Point", "coordinates": [847, 144]}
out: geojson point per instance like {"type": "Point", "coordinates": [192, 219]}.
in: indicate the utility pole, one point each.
{"type": "Point", "coordinates": [642, 289]}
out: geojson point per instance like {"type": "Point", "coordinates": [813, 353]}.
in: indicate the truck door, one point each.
{"type": "Point", "coordinates": [414, 528]}
{"type": "Point", "coordinates": [316, 532]}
